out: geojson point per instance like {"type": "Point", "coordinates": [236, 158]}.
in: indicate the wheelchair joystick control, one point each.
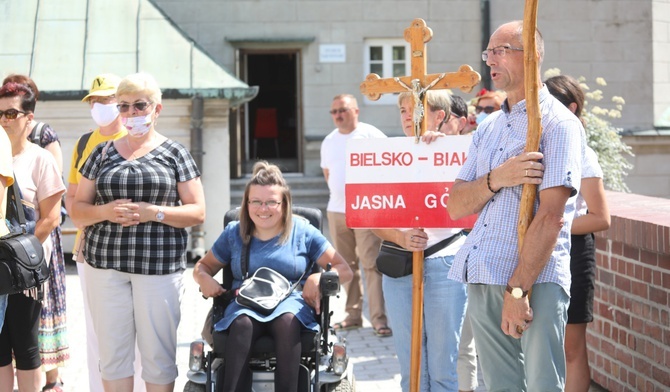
{"type": "Point", "coordinates": [330, 282]}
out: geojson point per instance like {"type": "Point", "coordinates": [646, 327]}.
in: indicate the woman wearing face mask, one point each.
{"type": "Point", "coordinates": [101, 99]}
{"type": "Point", "coordinates": [136, 197]}
{"type": "Point", "coordinates": [485, 103]}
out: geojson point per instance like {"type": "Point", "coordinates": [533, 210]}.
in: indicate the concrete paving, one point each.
{"type": "Point", "coordinates": [375, 364]}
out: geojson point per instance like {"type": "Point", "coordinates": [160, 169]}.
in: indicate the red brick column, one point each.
{"type": "Point", "coordinates": [629, 340]}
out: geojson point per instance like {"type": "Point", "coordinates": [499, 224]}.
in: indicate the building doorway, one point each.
{"type": "Point", "coordinates": [272, 124]}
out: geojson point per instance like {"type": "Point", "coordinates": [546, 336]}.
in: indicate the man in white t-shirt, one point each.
{"type": "Point", "coordinates": [353, 244]}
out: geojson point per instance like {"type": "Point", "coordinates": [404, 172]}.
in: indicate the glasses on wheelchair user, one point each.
{"type": "Point", "coordinates": [268, 204]}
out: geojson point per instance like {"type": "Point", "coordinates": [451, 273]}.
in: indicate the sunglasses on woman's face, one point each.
{"type": "Point", "coordinates": [10, 114]}
{"type": "Point", "coordinates": [139, 106]}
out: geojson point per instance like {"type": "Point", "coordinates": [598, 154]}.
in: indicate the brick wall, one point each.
{"type": "Point", "coordinates": [629, 340]}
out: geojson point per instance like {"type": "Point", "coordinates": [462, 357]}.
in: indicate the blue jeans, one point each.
{"type": "Point", "coordinates": [443, 313]}
{"type": "Point", "coordinates": [3, 308]}
{"type": "Point", "coordinates": [536, 362]}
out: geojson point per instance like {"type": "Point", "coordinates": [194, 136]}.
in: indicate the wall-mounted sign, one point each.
{"type": "Point", "coordinates": [332, 53]}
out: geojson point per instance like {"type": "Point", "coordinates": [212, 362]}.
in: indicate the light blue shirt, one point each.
{"type": "Point", "coordinates": [490, 253]}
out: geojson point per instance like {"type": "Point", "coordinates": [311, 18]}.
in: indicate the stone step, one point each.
{"type": "Point", "coordinates": [295, 182]}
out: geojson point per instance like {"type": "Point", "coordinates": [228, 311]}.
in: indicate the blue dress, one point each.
{"type": "Point", "coordinates": [304, 246]}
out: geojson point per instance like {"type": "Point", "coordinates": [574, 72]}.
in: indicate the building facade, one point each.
{"type": "Point", "coordinates": [303, 52]}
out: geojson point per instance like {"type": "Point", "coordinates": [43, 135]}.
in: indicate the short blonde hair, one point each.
{"type": "Point", "coordinates": [140, 83]}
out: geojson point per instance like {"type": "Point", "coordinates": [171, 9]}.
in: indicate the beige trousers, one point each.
{"type": "Point", "coordinates": [359, 245]}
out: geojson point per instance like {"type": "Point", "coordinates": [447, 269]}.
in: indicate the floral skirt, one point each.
{"type": "Point", "coordinates": [52, 335]}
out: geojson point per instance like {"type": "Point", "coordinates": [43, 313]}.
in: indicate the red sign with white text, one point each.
{"type": "Point", "coordinates": [396, 183]}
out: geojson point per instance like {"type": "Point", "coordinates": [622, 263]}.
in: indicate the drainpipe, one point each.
{"type": "Point", "coordinates": [197, 250]}
{"type": "Point", "coordinates": [486, 34]}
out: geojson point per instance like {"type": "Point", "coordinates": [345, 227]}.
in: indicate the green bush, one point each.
{"type": "Point", "coordinates": [603, 137]}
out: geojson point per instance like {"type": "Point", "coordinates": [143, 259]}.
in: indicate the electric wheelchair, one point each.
{"type": "Point", "coordinates": [324, 363]}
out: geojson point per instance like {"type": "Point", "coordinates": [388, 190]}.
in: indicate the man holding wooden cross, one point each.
{"type": "Point", "coordinates": [519, 336]}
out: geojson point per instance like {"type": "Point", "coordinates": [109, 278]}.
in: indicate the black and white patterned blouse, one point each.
{"type": "Point", "coordinates": [149, 248]}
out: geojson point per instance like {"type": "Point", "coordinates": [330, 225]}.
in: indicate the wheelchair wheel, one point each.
{"type": "Point", "coordinates": [193, 387]}
{"type": "Point", "coordinates": [344, 385]}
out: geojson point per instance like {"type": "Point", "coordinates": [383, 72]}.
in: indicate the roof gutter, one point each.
{"type": "Point", "coordinates": [236, 95]}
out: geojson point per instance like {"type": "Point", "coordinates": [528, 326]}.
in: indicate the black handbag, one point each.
{"type": "Point", "coordinates": [22, 262]}
{"type": "Point", "coordinates": [395, 261]}
{"type": "Point", "coordinates": [265, 289]}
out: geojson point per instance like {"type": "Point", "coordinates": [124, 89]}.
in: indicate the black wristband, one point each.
{"type": "Point", "coordinates": [488, 183]}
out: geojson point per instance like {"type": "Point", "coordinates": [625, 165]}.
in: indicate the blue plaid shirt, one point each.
{"type": "Point", "coordinates": [490, 253]}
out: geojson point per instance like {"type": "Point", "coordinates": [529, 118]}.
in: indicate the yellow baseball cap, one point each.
{"type": "Point", "coordinates": [103, 85]}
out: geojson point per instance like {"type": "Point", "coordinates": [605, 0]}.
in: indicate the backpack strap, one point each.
{"type": "Point", "coordinates": [81, 146]}
{"type": "Point", "coordinates": [36, 133]}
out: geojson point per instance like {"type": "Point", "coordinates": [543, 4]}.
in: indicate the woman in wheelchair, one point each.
{"type": "Point", "coordinates": [277, 240]}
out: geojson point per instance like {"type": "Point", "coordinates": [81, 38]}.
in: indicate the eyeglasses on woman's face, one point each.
{"type": "Point", "coordinates": [139, 106]}
{"type": "Point", "coordinates": [268, 203]}
{"type": "Point", "coordinates": [10, 114]}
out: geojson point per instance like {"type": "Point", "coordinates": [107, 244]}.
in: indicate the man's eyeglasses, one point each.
{"type": "Point", "coordinates": [340, 111]}
{"type": "Point", "coordinates": [499, 51]}
{"type": "Point", "coordinates": [139, 106]}
{"type": "Point", "coordinates": [268, 204]}
{"type": "Point", "coordinates": [485, 109]}
{"type": "Point", "coordinates": [10, 114]}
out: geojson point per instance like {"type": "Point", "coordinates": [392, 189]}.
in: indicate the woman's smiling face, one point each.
{"type": "Point", "coordinates": [265, 207]}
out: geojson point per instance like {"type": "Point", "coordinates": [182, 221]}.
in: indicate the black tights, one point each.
{"type": "Point", "coordinates": [242, 334]}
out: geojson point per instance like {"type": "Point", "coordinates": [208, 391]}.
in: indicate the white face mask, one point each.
{"type": "Point", "coordinates": [138, 126]}
{"type": "Point", "coordinates": [104, 115]}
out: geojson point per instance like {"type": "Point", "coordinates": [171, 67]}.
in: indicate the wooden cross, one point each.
{"type": "Point", "coordinates": [418, 34]}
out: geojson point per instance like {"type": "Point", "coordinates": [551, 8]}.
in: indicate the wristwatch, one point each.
{"type": "Point", "coordinates": [160, 215]}
{"type": "Point", "coordinates": [516, 292]}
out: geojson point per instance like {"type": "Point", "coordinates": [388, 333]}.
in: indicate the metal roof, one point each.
{"type": "Point", "coordinates": [64, 44]}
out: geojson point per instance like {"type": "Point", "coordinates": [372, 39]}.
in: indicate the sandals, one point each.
{"type": "Point", "coordinates": [56, 386]}
{"type": "Point", "coordinates": [346, 326]}
{"type": "Point", "coordinates": [383, 331]}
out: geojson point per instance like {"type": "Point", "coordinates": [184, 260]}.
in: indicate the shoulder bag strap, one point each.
{"type": "Point", "coordinates": [442, 244]}
{"type": "Point", "coordinates": [15, 198]}
{"type": "Point", "coordinates": [244, 259]}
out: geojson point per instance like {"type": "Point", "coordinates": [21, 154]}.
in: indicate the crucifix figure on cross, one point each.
{"type": "Point", "coordinates": [418, 34]}
{"type": "Point", "coordinates": [465, 79]}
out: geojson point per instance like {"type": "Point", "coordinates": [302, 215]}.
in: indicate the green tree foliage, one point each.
{"type": "Point", "coordinates": [603, 137]}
